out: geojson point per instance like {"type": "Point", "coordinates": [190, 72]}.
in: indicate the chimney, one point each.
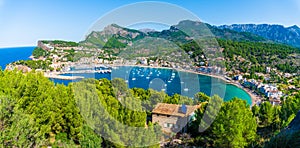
{"type": "Point", "coordinates": [183, 108]}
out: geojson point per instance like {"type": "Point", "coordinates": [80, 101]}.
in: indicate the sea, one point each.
{"type": "Point", "coordinates": [168, 80]}
{"type": "Point", "coordinates": [8, 55]}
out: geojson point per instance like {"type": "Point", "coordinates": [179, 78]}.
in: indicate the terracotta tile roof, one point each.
{"type": "Point", "coordinates": [173, 109]}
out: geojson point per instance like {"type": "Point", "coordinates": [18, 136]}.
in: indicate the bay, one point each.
{"type": "Point", "coordinates": [168, 80]}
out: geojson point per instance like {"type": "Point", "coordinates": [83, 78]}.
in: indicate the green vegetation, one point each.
{"type": "Point", "coordinates": [234, 126]}
{"type": "Point", "coordinates": [60, 43]}
{"type": "Point", "coordinates": [39, 52]}
{"type": "Point", "coordinates": [113, 42]}
{"type": "Point", "coordinates": [253, 57]}
{"type": "Point", "coordinates": [243, 52]}
{"type": "Point", "coordinates": [37, 113]}
{"type": "Point", "coordinates": [92, 113]}
{"type": "Point", "coordinates": [39, 64]}
{"type": "Point", "coordinates": [34, 112]}
{"type": "Point", "coordinates": [238, 126]}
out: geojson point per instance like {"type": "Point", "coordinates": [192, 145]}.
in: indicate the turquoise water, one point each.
{"type": "Point", "coordinates": [167, 80]}
{"type": "Point", "coordinates": [170, 81]}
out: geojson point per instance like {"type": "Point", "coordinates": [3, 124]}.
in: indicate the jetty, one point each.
{"type": "Point", "coordinates": [88, 71]}
{"type": "Point", "coordinates": [63, 77]}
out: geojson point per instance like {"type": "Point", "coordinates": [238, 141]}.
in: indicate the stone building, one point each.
{"type": "Point", "coordinates": [172, 117]}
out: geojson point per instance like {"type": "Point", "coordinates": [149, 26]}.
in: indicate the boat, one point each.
{"type": "Point", "coordinates": [126, 80]}
{"type": "Point", "coordinates": [185, 89]}
{"type": "Point", "coordinates": [133, 79]}
{"type": "Point", "coordinates": [147, 77]}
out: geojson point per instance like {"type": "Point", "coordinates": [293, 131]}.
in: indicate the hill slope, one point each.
{"type": "Point", "coordinates": [116, 36]}
{"type": "Point", "coordinates": [277, 33]}
{"type": "Point", "coordinates": [289, 137]}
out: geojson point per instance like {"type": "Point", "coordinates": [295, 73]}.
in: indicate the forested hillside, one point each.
{"type": "Point", "coordinates": [277, 33]}
{"type": "Point", "coordinates": [92, 113]}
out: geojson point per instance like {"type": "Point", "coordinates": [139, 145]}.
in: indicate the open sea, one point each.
{"type": "Point", "coordinates": [168, 80]}
{"type": "Point", "coordinates": [8, 55]}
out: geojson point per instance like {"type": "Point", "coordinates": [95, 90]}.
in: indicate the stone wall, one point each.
{"type": "Point", "coordinates": [170, 123]}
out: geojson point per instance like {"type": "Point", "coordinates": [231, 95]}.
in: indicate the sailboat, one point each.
{"type": "Point", "coordinates": [163, 89]}
{"type": "Point", "coordinates": [185, 88]}
{"type": "Point", "coordinates": [125, 79]}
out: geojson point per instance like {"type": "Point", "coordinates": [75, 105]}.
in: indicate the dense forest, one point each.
{"type": "Point", "coordinates": [254, 57]}
{"type": "Point", "coordinates": [35, 112]}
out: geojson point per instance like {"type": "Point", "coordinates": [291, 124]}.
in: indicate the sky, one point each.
{"type": "Point", "coordinates": [23, 22]}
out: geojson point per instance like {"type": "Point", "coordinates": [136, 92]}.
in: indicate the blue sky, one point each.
{"type": "Point", "coordinates": [23, 22]}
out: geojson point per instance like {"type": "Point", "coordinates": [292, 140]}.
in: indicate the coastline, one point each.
{"type": "Point", "coordinates": [254, 98]}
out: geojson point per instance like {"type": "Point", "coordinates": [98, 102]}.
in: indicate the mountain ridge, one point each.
{"type": "Point", "coordinates": [278, 33]}
{"type": "Point", "coordinates": [181, 32]}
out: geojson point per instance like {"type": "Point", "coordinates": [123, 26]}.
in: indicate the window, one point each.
{"type": "Point", "coordinates": [165, 125]}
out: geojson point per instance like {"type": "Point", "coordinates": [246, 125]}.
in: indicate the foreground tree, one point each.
{"type": "Point", "coordinates": [234, 126]}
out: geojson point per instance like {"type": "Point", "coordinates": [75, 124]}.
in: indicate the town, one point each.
{"type": "Point", "coordinates": [64, 57]}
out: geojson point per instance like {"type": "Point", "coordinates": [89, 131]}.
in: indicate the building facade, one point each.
{"type": "Point", "coordinates": [173, 118]}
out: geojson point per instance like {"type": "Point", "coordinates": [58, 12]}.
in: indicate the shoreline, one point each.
{"type": "Point", "coordinates": [254, 98]}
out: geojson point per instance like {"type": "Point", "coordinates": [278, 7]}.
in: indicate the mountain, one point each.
{"type": "Point", "coordinates": [276, 33]}
{"type": "Point", "coordinates": [244, 52]}
{"type": "Point", "coordinates": [204, 30]}
{"type": "Point", "coordinates": [180, 33]}
{"type": "Point", "coordinates": [289, 137]}
{"type": "Point", "coordinates": [112, 36]}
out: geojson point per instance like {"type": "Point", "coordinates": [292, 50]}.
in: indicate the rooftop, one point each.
{"type": "Point", "coordinates": [173, 109]}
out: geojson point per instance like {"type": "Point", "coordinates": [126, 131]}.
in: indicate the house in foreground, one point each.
{"type": "Point", "coordinates": [172, 117]}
